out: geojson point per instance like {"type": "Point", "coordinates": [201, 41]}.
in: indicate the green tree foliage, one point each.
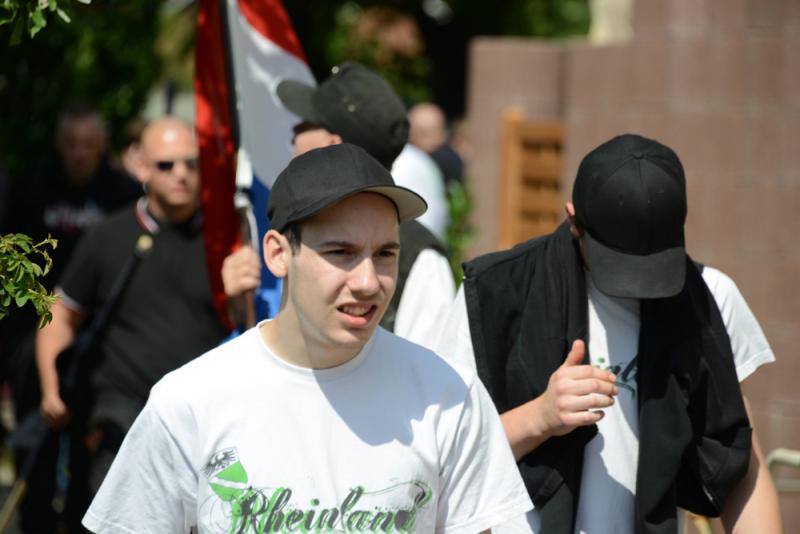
{"type": "Point", "coordinates": [20, 274]}
{"type": "Point", "coordinates": [104, 56]}
{"type": "Point", "coordinates": [525, 18]}
{"type": "Point", "coordinates": [30, 15]}
{"type": "Point", "coordinates": [330, 34]}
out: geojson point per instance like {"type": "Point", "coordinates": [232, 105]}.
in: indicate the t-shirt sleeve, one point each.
{"type": "Point", "coordinates": [426, 299]}
{"type": "Point", "coordinates": [78, 284]}
{"type": "Point", "coordinates": [750, 347]}
{"type": "Point", "coordinates": [481, 486]}
{"type": "Point", "coordinates": [150, 488]}
{"type": "Point", "coordinates": [454, 339]}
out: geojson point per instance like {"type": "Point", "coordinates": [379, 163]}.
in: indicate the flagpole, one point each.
{"type": "Point", "coordinates": [229, 73]}
{"type": "Point", "coordinates": [242, 306]}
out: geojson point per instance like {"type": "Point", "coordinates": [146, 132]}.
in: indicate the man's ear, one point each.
{"type": "Point", "coordinates": [140, 169]}
{"type": "Point", "coordinates": [574, 227]}
{"type": "Point", "coordinates": [336, 139]}
{"type": "Point", "coordinates": [276, 253]}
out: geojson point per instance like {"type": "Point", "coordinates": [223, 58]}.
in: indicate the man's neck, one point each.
{"type": "Point", "coordinates": [286, 341]}
{"type": "Point", "coordinates": [173, 215]}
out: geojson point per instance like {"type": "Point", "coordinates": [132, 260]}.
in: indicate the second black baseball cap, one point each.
{"type": "Point", "coordinates": [355, 103]}
{"type": "Point", "coordinates": [630, 199]}
{"type": "Point", "coordinates": [322, 177]}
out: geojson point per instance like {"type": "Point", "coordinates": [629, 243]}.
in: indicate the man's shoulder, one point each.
{"type": "Point", "coordinates": [426, 370]}
{"type": "Point", "coordinates": [520, 253]}
{"type": "Point", "coordinates": [121, 220]}
{"type": "Point", "coordinates": [205, 380]}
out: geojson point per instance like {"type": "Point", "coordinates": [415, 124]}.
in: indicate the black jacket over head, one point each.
{"type": "Point", "coordinates": [527, 305]}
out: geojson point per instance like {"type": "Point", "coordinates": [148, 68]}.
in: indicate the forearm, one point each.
{"type": "Point", "coordinates": [753, 505]}
{"type": "Point", "coordinates": [523, 428]}
{"type": "Point", "coordinates": [50, 341]}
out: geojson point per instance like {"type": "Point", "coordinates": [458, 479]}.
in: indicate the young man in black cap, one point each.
{"type": "Point", "coordinates": [318, 421]}
{"type": "Point", "coordinates": [622, 410]}
{"type": "Point", "coordinates": [355, 105]}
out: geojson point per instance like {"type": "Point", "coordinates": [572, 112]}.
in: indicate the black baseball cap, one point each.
{"type": "Point", "coordinates": [324, 176]}
{"type": "Point", "coordinates": [630, 200]}
{"type": "Point", "coordinates": [355, 103]}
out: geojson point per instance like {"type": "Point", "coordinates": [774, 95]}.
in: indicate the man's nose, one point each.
{"type": "Point", "coordinates": [364, 278]}
{"type": "Point", "coordinates": [182, 168]}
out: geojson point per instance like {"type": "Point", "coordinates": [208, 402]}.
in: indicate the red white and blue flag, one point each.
{"type": "Point", "coordinates": [244, 49]}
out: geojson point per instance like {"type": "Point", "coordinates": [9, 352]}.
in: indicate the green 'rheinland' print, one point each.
{"type": "Point", "coordinates": [251, 510]}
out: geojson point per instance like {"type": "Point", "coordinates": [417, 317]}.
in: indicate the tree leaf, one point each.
{"type": "Point", "coordinates": [20, 300]}
{"type": "Point", "coordinates": [36, 21]}
{"type": "Point", "coordinates": [16, 33]}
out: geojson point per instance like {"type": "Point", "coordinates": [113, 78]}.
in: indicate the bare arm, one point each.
{"type": "Point", "coordinates": [575, 393]}
{"type": "Point", "coordinates": [50, 341]}
{"type": "Point", "coordinates": [753, 504]}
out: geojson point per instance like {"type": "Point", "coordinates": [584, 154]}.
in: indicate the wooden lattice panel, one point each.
{"type": "Point", "coordinates": [531, 203]}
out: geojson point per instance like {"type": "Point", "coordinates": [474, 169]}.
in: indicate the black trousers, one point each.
{"type": "Point", "coordinates": [58, 491]}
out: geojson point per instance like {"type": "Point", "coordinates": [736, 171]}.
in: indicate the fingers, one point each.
{"type": "Point", "coordinates": [580, 403]}
{"type": "Point", "coordinates": [576, 354]}
{"type": "Point", "coordinates": [592, 385]}
{"type": "Point", "coordinates": [241, 271]}
{"type": "Point", "coordinates": [585, 418]}
{"type": "Point", "coordinates": [55, 412]}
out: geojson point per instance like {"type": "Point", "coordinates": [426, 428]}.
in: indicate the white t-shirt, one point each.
{"type": "Point", "coordinates": [239, 440]}
{"type": "Point", "coordinates": [611, 458]}
{"type": "Point", "coordinates": [415, 170]}
{"type": "Point", "coordinates": [427, 295]}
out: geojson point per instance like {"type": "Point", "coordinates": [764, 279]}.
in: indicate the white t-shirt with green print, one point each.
{"type": "Point", "coordinates": [240, 441]}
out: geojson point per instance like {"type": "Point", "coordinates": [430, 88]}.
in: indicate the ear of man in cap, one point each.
{"type": "Point", "coordinates": [355, 103]}
{"type": "Point", "coordinates": [630, 201]}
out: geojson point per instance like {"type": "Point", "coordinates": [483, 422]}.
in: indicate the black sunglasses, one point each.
{"type": "Point", "coordinates": [168, 164]}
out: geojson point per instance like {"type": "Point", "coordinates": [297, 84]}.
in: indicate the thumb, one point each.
{"type": "Point", "coordinates": [576, 354]}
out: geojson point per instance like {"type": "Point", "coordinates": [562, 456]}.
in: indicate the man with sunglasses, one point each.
{"type": "Point", "coordinates": [163, 317]}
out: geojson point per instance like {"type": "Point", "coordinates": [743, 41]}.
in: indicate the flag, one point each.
{"type": "Point", "coordinates": [244, 49]}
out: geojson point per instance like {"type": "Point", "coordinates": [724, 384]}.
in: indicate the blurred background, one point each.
{"type": "Point", "coordinates": [527, 87]}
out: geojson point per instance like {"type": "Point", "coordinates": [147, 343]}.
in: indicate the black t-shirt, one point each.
{"type": "Point", "coordinates": [163, 319]}
{"type": "Point", "coordinates": [46, 202]}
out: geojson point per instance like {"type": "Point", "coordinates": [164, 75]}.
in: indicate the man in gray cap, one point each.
{"type": "Point", "coordinates": [615, 360]}
{"type": "Point", "coordinates": [355, 105]}
{"type": "Point", "coordinates": [319, 421]}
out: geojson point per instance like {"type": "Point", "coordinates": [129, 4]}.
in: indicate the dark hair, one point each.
{"type": "Point", "coordinates": [293, 234]}
{"type": "Point", "coordinates": [80, 110]}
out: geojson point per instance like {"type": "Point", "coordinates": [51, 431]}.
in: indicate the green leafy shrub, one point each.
{"type": "Point", "coordinates": [22, 264]}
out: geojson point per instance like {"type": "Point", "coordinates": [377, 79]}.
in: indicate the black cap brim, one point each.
{"type": "Point", "coordinates": [658, 275]}
{"type": "Point", "coordinates": [297, 97]}
{"type": "Point", "coordinates": [409, 204]}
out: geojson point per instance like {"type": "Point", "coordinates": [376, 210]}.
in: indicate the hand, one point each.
{"type": "Point", "coordinates": [241, 271]}
{"type": "Point", "coordinates": [55, 412]}
{"type": "Point", "coordinates": [574, 394]}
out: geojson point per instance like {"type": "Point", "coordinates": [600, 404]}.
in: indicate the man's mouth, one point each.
{"type": "Point", "coordinates": [357, 310]}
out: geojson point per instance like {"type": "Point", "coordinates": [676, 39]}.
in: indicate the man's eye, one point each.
{"type": "Point", "coordinates": [337, 252]}
{"type": "Point", "coordinates": [387, 253]}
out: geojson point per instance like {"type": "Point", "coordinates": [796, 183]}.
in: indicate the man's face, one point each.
{"type": "Point", "coordinates": [81, 142]}
{"type": "Point", "coordinates": [169, 161]}
{"type": "Point", "coordinates": [308, 136]}
{"type": "Point", "coordinates": [343, 276]}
